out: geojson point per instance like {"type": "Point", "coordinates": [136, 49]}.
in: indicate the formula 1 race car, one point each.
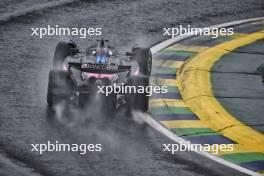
{"type": "Point", "coordinates": [76, 75]}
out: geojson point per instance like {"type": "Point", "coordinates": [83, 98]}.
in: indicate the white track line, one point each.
{"type": "Point", "coordinates": [8, 16]}
{"type": "Point", "coordinates": [148, 119]}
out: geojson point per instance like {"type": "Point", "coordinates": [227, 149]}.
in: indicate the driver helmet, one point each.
{"type": "Point", "coordinates": [101, 55]}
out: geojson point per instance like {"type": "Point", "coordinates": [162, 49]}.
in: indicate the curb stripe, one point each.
{"type": "Point", "coordinates": [214, 139]}
{"type": "Point", "coordinates": [165, 76]}
{"type": "Point", "coordinates": [192, 131]}
{"type": "Point", "coordinates": [161, 110]}
{"type": "Point", "coordinates": [166, 102]}
{"type": "Point", "coordinates": [164, 70]}
{"type": "Point", "coordinates": [184, 124]}
{"type": "Point", "coordinates": [165, 82]}
{"type": "Point", "coordinates": [254, 165]}
{"type": "Point", "coordinates": [171, 56]}
{"type": "Point", "coordinates": [170, 117]}
{"type": "Point", "coordinates": [169, 95]}
{"type": "Point", "coordinates": [167, 64]}
{"type": "Point", "coordinates": [178, 52]}
{"type": "Point", "coordinates": [244, 157]}
{"type": "Point", "coordinates": [238, 148]}
{"type": "Point", "coordinates": [172, 89]}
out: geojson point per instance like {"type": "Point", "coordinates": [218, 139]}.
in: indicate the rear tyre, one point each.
{"type": "Point", "coordinates": [63, 49]}
{"type": "Point", "coordinates": [109, 105]}
{"type": "Point", "coordinates": [59, 87]}
{"type": "Point", "coordinates": [138, 101]}
{"type": "Point", "coordinates": [143, 57]}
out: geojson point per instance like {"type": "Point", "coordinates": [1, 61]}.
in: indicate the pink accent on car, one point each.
{"type": "Point", "coordinates": [65, 66]}
{"type": "Point", "coordinates": [137, 71]}
{"type": "Point", "coordinates": [96, 75]}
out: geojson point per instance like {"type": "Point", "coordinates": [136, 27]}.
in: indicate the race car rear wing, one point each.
{"type": "Point", "coordinates": [99, 68]}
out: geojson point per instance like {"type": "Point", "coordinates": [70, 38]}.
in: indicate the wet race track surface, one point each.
{"type": "Point", "coordinates": [128, 148]}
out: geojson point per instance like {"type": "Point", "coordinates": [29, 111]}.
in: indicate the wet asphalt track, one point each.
{"type": "Point", "coordinates": [127, 148]}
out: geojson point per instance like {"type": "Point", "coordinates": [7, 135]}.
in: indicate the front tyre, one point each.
{"type": "Point", "coordinates": [138, 101]}
{"type": "Point", "coordinates": [63, 49]}
{"type": "Point", "coordinates": [143, 57]}
{"type": "Point", "coordinates": [109, 105]}
{"type": "Point", "coordinates": [59, 87]}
